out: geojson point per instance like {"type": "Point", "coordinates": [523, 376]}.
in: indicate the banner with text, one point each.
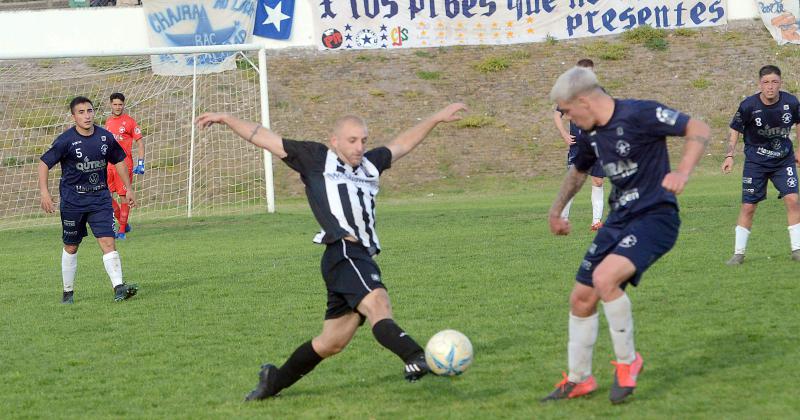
{"type": "Point", "coordinates": [368, 24]}
{"type": "Point", "coordinates": [173, 23]}
{"type": "Point", "coordinates": [782, 19]}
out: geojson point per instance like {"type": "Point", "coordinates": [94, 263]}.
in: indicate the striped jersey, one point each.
{"type": "Point", "coordinates": [341, 197]}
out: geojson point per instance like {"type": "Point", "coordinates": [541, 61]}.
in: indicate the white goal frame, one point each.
{"type": "Point", "coordinates": [263, 94]}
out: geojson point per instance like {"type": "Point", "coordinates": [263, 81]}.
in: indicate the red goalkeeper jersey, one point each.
{"type": "Point", "coordinates": [125, 131]}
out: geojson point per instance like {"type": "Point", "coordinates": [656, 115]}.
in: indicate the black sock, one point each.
{"type": "Point", "coordinates": [302, 361]}
{"type": "Point", "coordinates": [391, 336]}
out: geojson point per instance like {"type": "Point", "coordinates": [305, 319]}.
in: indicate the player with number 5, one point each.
{"type": "Point", "coordinates": [766, 120]}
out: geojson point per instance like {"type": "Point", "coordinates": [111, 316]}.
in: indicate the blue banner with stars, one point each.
{"type": "Point", "coordinates": [274, 19]}
{"type": "Point", "coordinates": [172, 23]}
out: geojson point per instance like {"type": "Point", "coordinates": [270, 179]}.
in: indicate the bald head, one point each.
{"type": "Point", "coordinates": [348, 121]}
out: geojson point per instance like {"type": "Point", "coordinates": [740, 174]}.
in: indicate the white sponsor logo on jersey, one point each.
{"type": "Point", "coordinates": [791, 182]}
{"type": "Point", "coordinates": [666, 115]}
{"type": "Point", "coordinates": [620, 169]}
{"type": "Point", "coordinates": [628, 241]}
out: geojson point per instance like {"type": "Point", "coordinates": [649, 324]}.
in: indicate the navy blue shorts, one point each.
{"type": "Point", "coordinates": [74, 224]}
{"type": "Point", "coordinates": [596, 170]}
{"type": "Point", "coordinates": [755, 176]}
{"type": "Point", "coordinates": [642, 240]}
{"type": "Point", "coordinates": [350, 274]}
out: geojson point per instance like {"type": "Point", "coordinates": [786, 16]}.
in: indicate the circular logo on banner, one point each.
{"type": "Point", "coordinates": [332, 39]}
{"type": "Point", "coordinates": [366, 38]}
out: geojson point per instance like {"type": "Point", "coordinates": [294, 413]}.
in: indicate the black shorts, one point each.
{"type": "Point", "coordinates": [350, 274]}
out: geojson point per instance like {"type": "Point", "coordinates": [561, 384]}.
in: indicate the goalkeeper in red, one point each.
{"type": "Point", "coordinates": [126, 131]}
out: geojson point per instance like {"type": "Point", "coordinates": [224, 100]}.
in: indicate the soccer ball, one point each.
{"type": "Point", "coordinates": [448, 353]}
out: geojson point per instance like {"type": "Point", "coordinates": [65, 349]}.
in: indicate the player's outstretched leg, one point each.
{"type": "Point", "coordinates": [266, 384]}
{"type": "Point", "coordinates": [271, 380]}
{"type": "Point", "coordinates": [391, 336]}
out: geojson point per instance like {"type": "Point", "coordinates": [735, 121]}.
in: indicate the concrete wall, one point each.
{"type": "Point", "coordinates": [114, 28]}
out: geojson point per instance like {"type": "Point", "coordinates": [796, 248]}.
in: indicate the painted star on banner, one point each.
{"type": "Point", "coordinates": [274, 16]}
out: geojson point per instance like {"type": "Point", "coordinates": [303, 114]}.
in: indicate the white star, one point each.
{"type": "Point", "coordinates": [274, 16]}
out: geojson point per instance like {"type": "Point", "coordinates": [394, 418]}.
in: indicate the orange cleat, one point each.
{"type": "Point", "coordinates": [566, 389]}
{"type": "Point", "coordinates": [596, 226]}
{"type": "Point", "coordinates": [625, 379]}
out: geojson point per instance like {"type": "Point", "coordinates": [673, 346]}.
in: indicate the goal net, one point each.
{"type": "Point", "coordinates": [187, 172]}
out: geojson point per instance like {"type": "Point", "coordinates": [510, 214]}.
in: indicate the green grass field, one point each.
{"type": "Point", "coordinates": [220, 296]}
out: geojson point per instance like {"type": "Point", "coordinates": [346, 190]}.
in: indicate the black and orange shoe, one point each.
{"type": "Point", "coordinates": [566, 389]}
{"type": "Point", "coordinates": [625, 376]}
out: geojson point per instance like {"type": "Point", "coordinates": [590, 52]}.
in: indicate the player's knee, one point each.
{"type": "Point", "coordinates": [582, 300]}
{"type": "Point", "coordinates": [748, 209]}
{"type": "Point", "coordinates": [70, 249]}
{"type": "Point", "coordinates": [327, 347]}
{"type": "Point", "coordinates": [603, 284]}
{"type": "Point", "coordinates": [376, 306]}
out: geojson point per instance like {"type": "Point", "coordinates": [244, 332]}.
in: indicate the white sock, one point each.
{"type": "Point", "coordinates": [113, 267]}
{"type": "Point", "coordinates": [741, 240]}
{"type": "Point", "coordinates": [794, 236]}
{"type": "Point", "coordinates": [69, 266]}
{"type": "Point", "coordinates": [620, 323]}
{"type": "Point", "coordinates": [597, 204]}
{"type": "Point", "coordinates": [565, 212]}
{"type": "Point", "coordinates": [582, 336]}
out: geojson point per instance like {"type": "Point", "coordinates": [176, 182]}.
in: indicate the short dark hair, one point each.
{"type": "Point", "coordinates": [585, 62]}
{"type": "Point", "coordinates": [77, 101]}
{"type": "Point", "coordinates": [117, 95]}
{"type": "Point", "coordinates": [769, 69]}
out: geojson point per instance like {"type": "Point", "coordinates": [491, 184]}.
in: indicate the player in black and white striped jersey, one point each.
{"type": "Point", "coordinates": [341, 182]}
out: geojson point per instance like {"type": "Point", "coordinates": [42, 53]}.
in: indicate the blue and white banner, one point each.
{"type": "Point", "coordinates": [368, 24]}
{"type": "Point", "coordinates": [174, 23]}
{"type": "Point", "coordinates": [782, 19]}
{"type": "Point", "coordinates": [274, 19]}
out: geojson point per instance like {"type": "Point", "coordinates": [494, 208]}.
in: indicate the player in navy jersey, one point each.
{"type": "Point", "coordinates": [596, 171]}
{"type": "Point", "coordinates": [341, 185]}
{"type": "Point", "coordinates": [629, 138]}
{"type": "Point", "coordinates": [766, 120]}
{"type": "Point", "coordinates": [84, 151]}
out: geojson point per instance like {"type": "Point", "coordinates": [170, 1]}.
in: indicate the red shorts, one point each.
{"type": "Point", "coordinates": [115, 183]}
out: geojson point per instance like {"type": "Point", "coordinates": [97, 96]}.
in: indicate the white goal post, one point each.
{"type": "Point", "coordinates": [188, 172]}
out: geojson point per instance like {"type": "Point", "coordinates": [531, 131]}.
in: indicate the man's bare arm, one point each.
{"type": "Point", "coordinates": [252, 132]}
{"type": "Point", "coordinates": [571, 185]}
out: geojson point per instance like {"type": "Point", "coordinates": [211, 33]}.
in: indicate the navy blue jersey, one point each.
{"type": "Point", "coordinates": [632, 148]}
{"type": "Point", "coordinates": [83, 161]}
{"type": "Point", "coordinates": [766, 129]}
